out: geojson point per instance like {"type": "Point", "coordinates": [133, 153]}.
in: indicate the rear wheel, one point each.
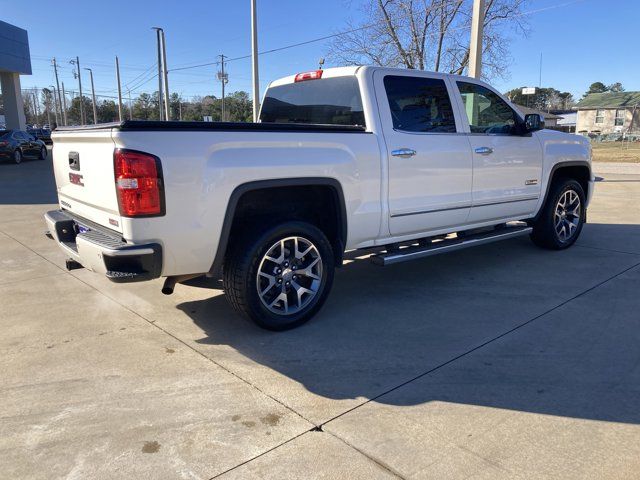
{"type": "Point", "coordinates": [281, 276]}
{"type": "Point", "coordinates": [17, 156]}
{"type": "Point", "coordinates": [562, 217]}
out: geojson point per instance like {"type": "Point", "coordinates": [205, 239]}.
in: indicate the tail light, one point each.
{"type": "Point", "coordinates": [4, 144]}
{"type": "Point", "coordinates": [138, 178]}
{"type": "Point", "coordinates": [314, 75]}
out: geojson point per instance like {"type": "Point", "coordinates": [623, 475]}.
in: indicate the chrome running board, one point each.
{"type": "Point", "coordinates": [448, 245]}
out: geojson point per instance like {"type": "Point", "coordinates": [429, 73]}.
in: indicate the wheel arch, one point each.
{"type": "Point", "coordinates": [577, 170]}
{"type": "Point", "coordinates": [329, 185]}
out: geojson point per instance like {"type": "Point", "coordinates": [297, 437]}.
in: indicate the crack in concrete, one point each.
{"type": "Point", "coordinates": [607, 250]}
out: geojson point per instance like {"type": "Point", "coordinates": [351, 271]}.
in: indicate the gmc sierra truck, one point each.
{"type": "Point", "coordinates": [400, 163]}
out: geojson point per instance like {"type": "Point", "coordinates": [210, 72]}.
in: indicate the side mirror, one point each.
{"type": "Point", "coordinates": [533, 122]}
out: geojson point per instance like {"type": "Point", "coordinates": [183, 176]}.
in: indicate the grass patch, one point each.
{"type": "Point", "coordinates": [613, 152]}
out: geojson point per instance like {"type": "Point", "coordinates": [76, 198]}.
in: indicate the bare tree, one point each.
{"type": "Point", "coordinates": [429, 34]}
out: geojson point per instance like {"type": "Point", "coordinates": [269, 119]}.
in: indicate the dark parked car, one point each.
{"type": "Point", "coordinates": [17, 144]}
{"type": "Point", "coordinates": [41, 134]}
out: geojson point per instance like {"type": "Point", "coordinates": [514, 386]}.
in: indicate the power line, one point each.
{"type": "Point", "coordinates": [141, 79]}
{"type": "Point", "coordinates": [353, 30]}
{"type": "Point", "coordinates": [141, 75]}
{"type": "Point", "coordinates": [143, 82]}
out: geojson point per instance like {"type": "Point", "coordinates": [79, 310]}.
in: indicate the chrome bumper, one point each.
{"type": "Point", "coordinates": [103, 251]}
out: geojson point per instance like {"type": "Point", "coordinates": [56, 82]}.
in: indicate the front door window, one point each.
{"type": "Point", "coordinates": [487, 112]}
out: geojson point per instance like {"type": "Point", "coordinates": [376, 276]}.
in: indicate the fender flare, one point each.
{"type": "Point", "coordinates": [218, 261]}
{"type": "Point", "coordinates": [558, 166]}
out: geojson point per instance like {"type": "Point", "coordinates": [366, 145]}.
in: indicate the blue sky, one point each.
{"type": "Point", "coordinates": [581, 41]}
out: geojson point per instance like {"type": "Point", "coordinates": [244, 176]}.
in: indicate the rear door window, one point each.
{"type": "Point", "coordinates": [330, 101]}
{"type": "Point", "coordinates": [419, 104]}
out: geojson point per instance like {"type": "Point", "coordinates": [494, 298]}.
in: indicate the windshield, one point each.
{"type": "Point", "coordinates": [331, 101]}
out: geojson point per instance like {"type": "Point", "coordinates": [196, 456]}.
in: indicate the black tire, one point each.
{"type": "Point", "coordinates": [545, 234]}
{"type": "Point", "coordinates": [43, 153]}
{"type": "Point", "coordinates": [241, 270]}
{"type": "Point", "coordinates": [17, 156]}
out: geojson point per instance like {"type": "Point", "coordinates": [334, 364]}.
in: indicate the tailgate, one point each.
{"type": "Point", "coordinates": [83, 167]}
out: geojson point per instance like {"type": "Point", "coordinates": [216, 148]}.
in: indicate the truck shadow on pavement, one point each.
{"type": "Point", "coordinates": [550, 342]}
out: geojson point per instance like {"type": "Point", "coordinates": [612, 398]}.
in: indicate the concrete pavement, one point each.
{"type": "Point", "coordinates": [504, 361]}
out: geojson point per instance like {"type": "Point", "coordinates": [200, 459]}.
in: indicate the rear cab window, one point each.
{"type": "Point", "coordinates": [327, 101]}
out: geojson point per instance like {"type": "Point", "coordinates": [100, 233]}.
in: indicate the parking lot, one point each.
{"type": "Point", "coordinates": [503, 361]}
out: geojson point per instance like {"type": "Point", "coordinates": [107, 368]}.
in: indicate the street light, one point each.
{"type": "Point", "coordinates": [93, 96]}
{"type": "Point", "coordinates": [162, 74]}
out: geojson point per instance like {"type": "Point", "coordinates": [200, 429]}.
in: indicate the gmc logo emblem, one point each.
{"type": "Point", "coordinates": [76, 179]}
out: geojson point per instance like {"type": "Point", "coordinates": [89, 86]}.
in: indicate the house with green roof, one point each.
{"type": "Point", "coordinates": [609, 112]}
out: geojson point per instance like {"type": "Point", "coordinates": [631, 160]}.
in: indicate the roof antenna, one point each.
{"type": "Point", "coordinates": [320, 63]}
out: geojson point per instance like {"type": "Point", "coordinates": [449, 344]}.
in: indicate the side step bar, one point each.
{"type": "Point", "coordinates": [448, 245]}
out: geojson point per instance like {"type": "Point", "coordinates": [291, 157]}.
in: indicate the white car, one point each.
{"type": "Point", "coordinates": [411, 162]}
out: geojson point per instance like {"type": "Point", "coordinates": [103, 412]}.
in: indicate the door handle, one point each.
{"type": "Point", "coordinates": [484, 150]}
{"type": "Point", "coordinates": [403, 152]}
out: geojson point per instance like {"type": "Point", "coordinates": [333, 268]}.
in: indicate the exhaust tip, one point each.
{"type": "Point", "coordinates": [71, 264]}
{"type": "Point", "coordinates": [169, 284]}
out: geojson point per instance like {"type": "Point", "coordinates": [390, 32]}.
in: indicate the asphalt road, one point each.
{"type": "Point", "coordinates": [503, 361]}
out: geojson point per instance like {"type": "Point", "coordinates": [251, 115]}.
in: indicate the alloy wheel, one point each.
{"type": "Point", "coordinates": [567, 215]}
{"type": "Point", "coordinates": [289, 275]}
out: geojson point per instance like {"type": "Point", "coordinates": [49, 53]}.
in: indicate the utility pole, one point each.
{"type": "Point", "coordinates": [254, 60]}
{"type": "Point", "coordinates": [160, 74]}
{"type": "Point", "coordinates": [55, 69]}
{"type": "Point", "coordinates": [224, 78]}
{"type": "Point", "coordinates": [76, 74]}
{"type": "Point", "coordinates": [93, 97]}
{"type": "Point", "coordinates": [36, 107]}
{"type": "Point", "coordinates": [540, 78]}
{"type": "Point", "coordinates": [55, 103]}
{"type": "Point", "coordinates": [130, 109]}
{"type": "Point", "coordinates": [119, 90]}
{"type": "Point", "coordinates": [64, 105]}
{"type": "Point", "coordinates": [475, 47]}
{"type": "Point", "coordinates": [47, 109]}
{"type": "Point", "coordinates": [165, 78]}
{"type": "Point", "coordinates": [32, 100]}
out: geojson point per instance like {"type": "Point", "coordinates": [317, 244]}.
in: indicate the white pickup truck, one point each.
{"type": "Point", "coordinates": [404, 163]}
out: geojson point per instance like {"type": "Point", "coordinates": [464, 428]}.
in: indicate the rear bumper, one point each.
{"type": "Point", "coordinates": [102, 251]}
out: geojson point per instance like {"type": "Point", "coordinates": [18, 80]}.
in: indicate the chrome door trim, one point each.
{"type": "Point", "coordinates": [485, 204]}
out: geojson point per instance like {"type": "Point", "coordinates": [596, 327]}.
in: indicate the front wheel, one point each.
{"type": "Point", "coordinates": [43, 153]}
{"type": "Point", "coordinates": [562, 217]}
{"type": "Point", "coordinates": [280, 277]}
